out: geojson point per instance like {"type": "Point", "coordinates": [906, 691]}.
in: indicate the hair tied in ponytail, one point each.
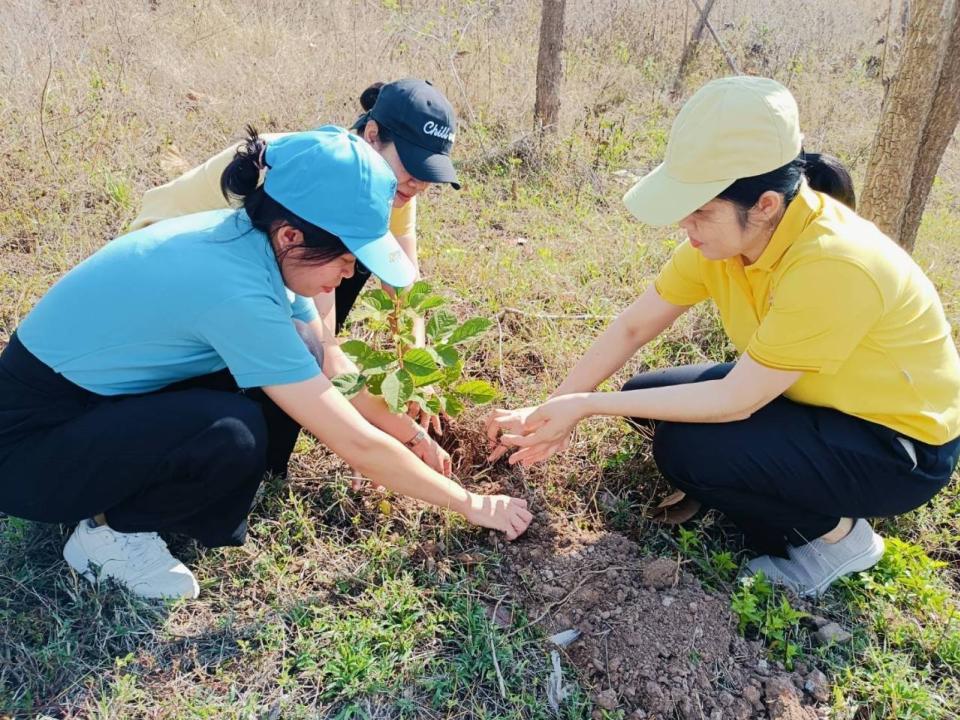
{"type": "Point", "coordinates": [262, 158]}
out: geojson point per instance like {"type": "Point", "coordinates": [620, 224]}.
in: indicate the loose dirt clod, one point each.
{"type": "Point", "coordinates": [653, 641]}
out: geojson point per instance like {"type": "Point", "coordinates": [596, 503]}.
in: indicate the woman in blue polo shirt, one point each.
{"type": "Point", "coordinates": [153, 386]}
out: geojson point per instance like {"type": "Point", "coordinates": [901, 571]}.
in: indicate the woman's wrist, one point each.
{"type": "Point", "coordinates": [418, 436]}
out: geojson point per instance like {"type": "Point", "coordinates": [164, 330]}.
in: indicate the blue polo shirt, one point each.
{"type": "Point", "coordinates": [175, 300]}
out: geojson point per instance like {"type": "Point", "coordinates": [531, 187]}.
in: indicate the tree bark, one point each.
{"type": "Point", "coordinates": [941, 123]}
{"type": "Point", "coordinates": [911, 108]}
{"type": "Point", "coordinates": [546, 109]}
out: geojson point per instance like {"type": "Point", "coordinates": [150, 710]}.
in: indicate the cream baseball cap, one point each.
{"type": "Point", "coordinates": [731, 128]}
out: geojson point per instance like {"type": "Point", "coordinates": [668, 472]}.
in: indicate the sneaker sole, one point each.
{"type": "Point", "coordinates": [858, 563]}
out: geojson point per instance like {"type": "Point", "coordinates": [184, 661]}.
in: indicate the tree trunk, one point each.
{"type": "Point", "coordinates": [909, 111]}
{"type": "Point", "coordinates": [546, 110]}
{"type": "Point", "coordinates": [690, 49]}
{"type": "Point", "coordinates": [942, 121]}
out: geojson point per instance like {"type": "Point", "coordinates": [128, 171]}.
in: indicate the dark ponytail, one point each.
{"type": "Point", "coordinates": [824, 173]}
{"type": "Point", "coordinates": [368, 98]}
{"type": "Point", "coordinates": [240, 184]}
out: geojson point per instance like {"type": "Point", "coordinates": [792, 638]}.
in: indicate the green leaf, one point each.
{"type": "Point", "coordinates": [471, 328]}
{"type": "Point", "coordinates": [428, 379]}
{"type": "Point", "coordinates": [433, 405]}
{"type": "Point", "coordinates": [355, 349]}
{"type": "Point", "coordinates": [452, 405]}
{"type": "Point", "coordinates": [349, 384]}
{"type": "Point", "coordinates": [378, 300]}
{"type": "Point", "coordinates": [429, 303]}
{"type": "Point", "coordinates": [419, 363]}
{"type": "Point", "coordinates": [440, 323]}
{"type": "Point", "coordinates": [453, 373]}
{"type": "Point", "coordinates": [447, 355]}
{"type": "Point", "coordinates": [477, 391]}
{"type": "Point", "coordinates": [377, 360]}
{"type": "Point", "coordinates": [419, 290]}
{"type": "Point", "coordinates": [375, 384]}
{"type": "Point", "coordinates": [397, 390]}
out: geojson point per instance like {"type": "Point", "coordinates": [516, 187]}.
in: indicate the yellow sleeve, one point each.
{"type": "Point", "coordinates": [197, 190]}
{"type": "Point", "coordinates": [403, 220]}
{"type": "Point", "coordinates": [680, 281]}
{"type": "Point", "coordinates": [819, 313]}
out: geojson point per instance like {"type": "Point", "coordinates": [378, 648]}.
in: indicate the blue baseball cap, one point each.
{"type": "Point", "coordinates": [336, 181]}
{"type": "Point", "coordinates": [423, 125]}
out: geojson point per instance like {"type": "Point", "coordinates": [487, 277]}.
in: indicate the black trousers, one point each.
{"type": "Point", "coordinates": [188, 458]}
{"type": "Point", "coordinates": [789, 472]}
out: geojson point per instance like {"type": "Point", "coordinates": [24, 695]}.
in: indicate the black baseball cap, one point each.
{"type": "Point", "coordinates": [423, 126]}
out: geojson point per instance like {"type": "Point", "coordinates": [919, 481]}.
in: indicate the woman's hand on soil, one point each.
{"type": "Point", "coordinates": [544, 431]}
{"type": "Point", "coordinates": [500, 512]}
{"type": "Point", "coordinates": [504, 421]}
{"type": "Point", "coordinates": [433, 455]}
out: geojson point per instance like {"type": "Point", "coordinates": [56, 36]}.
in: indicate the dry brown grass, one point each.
{"type": "Point", "coordinates": [101, 100]}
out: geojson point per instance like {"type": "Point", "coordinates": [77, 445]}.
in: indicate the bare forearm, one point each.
{"type": "Point", "coordinates": [376, 412]}
{"type": "Point", "coordinates": [711, 401]}
{"type": "Point", "coordinates": [388, 463]}
{"type": "Point", "coordinates": [608, 354]}
{"type": "Point", "coordinates": [640, 323]}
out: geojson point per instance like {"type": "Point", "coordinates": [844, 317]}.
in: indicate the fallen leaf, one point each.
{"type": "Point", "coordinates": [677, 514]}
{"type": "Point", "coordinates": [672, 499]}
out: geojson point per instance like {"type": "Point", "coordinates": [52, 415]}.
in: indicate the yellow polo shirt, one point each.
{"type": "Point", "coordinates": [198, 190]}
{"type": "Point", "coordinates": [835, 298]}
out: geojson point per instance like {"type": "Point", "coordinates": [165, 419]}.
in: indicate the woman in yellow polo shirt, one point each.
{"type": "Point", "coordinates": [845, 401]}
{"type": "Point", "coordinates": [413, 127]}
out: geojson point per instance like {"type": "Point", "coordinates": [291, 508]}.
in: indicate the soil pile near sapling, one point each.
{"type": "Point", "coordinates": [653, 642]}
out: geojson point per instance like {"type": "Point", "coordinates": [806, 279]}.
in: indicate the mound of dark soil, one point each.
{"type": "Point", "coordinates": [653, 642]}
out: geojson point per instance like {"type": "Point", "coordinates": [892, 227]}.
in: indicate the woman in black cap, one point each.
{"type": "Point", "coordinates": [412, 126]}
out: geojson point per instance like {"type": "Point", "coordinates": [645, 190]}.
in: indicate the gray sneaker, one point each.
{"type": "Point", "coordinates": [812, 568]}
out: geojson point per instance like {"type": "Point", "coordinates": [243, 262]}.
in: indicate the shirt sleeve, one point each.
{"type": "Point", "coordinates": [197, 190]}
{"type": "Point", "coordinates": [820, 312]}
{"type": "Point", "coordinates": [257, 341]}
{"type": "Point", "coordinates": [403, 220]}
{"type": "Point", "coordinates": [680, 281]}
{"type": "Point", "coordinates": [303, 308]}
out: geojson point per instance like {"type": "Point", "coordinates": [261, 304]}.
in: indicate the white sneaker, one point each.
{"type": "Point", "coordinates": [138, 561]}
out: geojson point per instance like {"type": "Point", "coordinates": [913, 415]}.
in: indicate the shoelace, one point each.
{"type": "Point", "coordinates": [147, 548]}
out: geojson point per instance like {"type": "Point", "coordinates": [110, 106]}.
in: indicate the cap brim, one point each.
{"type": "Point", "coordinates": [384, 258]}
{"type": "Point", "coordinates": [426, 165]}
{"type": "Point", "coordinates": [658, 199]}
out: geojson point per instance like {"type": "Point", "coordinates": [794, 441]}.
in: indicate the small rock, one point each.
{"type": "Point", "coordinates": [816, 621]}
{"type": "Point", "coordinates": [752, 695]}
{"type": "Point", "coordinates": [741, 710]}
{"type": "Point", "coordinates": [763, 666]}
{"type": "Point", "coordinates": [693, 607]}
{"type": "Point", "coordinates": [816, 684]}
{"type": "Point", "coordinates": [782, 700]}
{"type": "Point", "coordinates": [607, 699]}
{"type": "Point", "coordinates": [831, 633]}
{"type": "Point", "coordinates": [725, 699]}
{"type": "Point", "coordinates": [778, 687]}
{"type": "Point", "coordinates": [659, 574]}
